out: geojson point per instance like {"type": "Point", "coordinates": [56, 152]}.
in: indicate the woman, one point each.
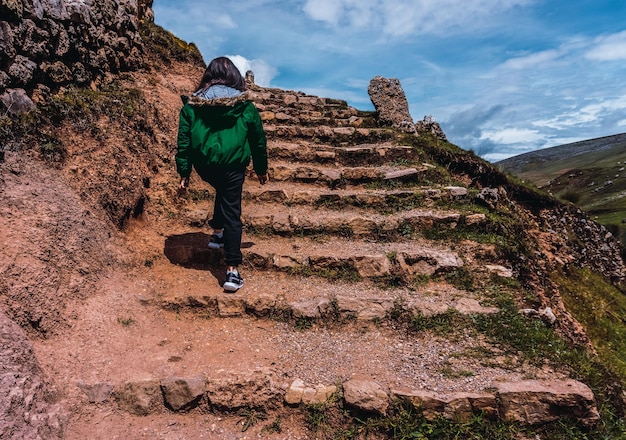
{"type": "Point", "coordinates": [219, 131]}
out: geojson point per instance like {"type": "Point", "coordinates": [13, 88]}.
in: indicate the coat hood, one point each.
{"type": "Point", "coordinates": [216, 96]}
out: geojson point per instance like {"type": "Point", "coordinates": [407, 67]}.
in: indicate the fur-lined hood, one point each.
{"type": "Point", "coordinates": [217, 96]}
{"type": "Point", "coordinates": [223, 102]}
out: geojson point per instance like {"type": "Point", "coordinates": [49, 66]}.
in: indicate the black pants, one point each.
{"type": "Point", "coordinates": [228, 185]}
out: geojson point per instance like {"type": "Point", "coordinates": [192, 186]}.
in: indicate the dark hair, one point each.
{"type": "Point", "coordinates": [222, 71]}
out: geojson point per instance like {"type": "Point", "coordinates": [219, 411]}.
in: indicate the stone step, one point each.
{"type": "Point", "coordinates": [336, 255]}
{"type": "Point", "coordinates": [233, 391]}
{"type": "Point", "coordinates": [317, 300]}
{"type": "Point", "coordinates": [315, 116]}
{"type": "Point", "coordinates": [387, 200]}
{"type": "Point", "coordinates": [288, 367]}
{"type": "Point", "coordinates": [362, 155]}
{"type": "Point", "coordinates": [336, 177]}
{"type": "Point", "coordinates": [304, 220]}
{"type": "Point", "coordinates": [329, 134]}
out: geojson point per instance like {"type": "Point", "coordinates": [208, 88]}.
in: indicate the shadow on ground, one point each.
{"type": "Point", "coordinates": [191, 250]}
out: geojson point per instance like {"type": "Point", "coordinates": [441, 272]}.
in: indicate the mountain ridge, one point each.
{"type": "Point", "coordinates": [589, 174]}
{"type": "Point", "coordinates": [559, 155]}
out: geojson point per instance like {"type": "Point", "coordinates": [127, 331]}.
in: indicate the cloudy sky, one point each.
{"type": "Point", "coordinates": [502, 77]}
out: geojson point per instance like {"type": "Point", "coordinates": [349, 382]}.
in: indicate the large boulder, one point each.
{"type": "Point", "coordinates": [390, 103]}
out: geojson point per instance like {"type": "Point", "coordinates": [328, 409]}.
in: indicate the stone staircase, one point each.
{"type": "Point", "coordinates": [339, 264]}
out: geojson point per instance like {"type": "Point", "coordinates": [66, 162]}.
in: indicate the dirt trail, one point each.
{"type": "Point", "coordinates": [105, 307]}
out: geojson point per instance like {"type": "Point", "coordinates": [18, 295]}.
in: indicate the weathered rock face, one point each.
{"type": "Point", "coordinates": [56, 42]}
{"type": "Point", "coordinates": [24, 411]}
{"type": "Point", "coordinates": [390, 103]}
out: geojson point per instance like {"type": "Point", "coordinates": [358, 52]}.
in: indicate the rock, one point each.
{"type": "Point", "coordinates": [261, 305]}
{"type": "Point", "coordinates": [230, 305]}
{"type": "Point", "coordinates": [547, 316]}
{"type": "Point", "coordinates": [294, 393]}
{"type": "Point", "coordinates": [459, 406]}
{"type": "Point", "coordinates": [491, 196]}
{"type": "Point", "coordinates": [298, 393]}
{"type": "Point", "coordinates": [249, 389]}
{"type": "Point", "coordinates": [360, 308]}
{"type": "Point", "coordinates": [501, 271]}
{"type": "Point", "coordinates": [7, 49]}
{"type": "Point", "coordinates": [17, 101]}
{"type": "Point", "coordinates": [182, 393]}
{"type": "Point", "coordinates": [390, 103]}
{"type": "Point", "coordinates": [140, 398]}
{"type": "Point", "coordinates": [4, 80]}
{"type": "Point", "coordinates": [22, 70]}
{"type": "Point", "coordinates": [318, 394]}
{"type": "Point", "coordinates": [24, 411]}
{"type": "Point", "coordinates": [475, 219]}
{"type": "Point", "coordinates": [535, 402]}
{"type": "Point", "coordinates": [57, 72]}
{"type": "Point", "coordinates": [428, 261]}
{"type": "Point", "coordinates": [366, 395]}
{"type": "Point", "coordinates": [456, 191]}
{"type": "Point", "coordinates": [371, 266]}
{"type": "Point", "coordinates": [401, 174]}
{"type": "Point", "coordinates": [310, 308]}
{"type": "Point", "coordinates": [430, 126]}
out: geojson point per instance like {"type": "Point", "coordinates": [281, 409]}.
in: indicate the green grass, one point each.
{"type": "Point", "coordinates": [601, 309]}
{"type": "Point", "coordinates": [166, 46]}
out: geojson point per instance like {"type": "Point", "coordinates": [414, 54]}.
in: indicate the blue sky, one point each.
{"type": "Point", "coordinates": [502, 77]}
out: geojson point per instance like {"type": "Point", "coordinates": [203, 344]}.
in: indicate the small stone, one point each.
{"type": "Point", "coordinates": [180, 393]}
{"type": "Point", "coordinates": [366, 395]}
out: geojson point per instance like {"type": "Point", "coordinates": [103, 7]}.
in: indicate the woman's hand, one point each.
{"type": "Point", "coordinates": [184, 184]}
{"type": "Point", "coordinates": [263, 178]}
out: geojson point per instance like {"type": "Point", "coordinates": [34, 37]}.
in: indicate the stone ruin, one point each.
{"type": "Point", "coordinates": [392, 108]}
{"type": "Point", "coordinates": [50, 43]}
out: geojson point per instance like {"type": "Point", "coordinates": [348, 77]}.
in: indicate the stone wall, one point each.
{"type": "Point", "coordinates": [56, 42]}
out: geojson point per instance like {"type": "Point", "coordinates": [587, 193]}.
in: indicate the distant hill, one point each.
{"type": "Point", "coordinates": [591, 174]}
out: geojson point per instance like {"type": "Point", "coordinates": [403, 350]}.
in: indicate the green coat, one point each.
{"type": "Point", "coordinates": [224, 133]}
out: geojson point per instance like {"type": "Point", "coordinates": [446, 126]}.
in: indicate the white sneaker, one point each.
{"type": "Point", "coordinates": [234, 282]}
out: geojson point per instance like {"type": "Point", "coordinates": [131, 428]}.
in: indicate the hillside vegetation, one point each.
{"type": "Point", "coordinates": [397, 286]}
{"type": "Point", "coordinates": [590, 174]}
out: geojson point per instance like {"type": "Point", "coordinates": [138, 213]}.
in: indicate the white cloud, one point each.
{"type": "Point", "coordinates": [608, 48]}
{"type": "Point", "coordinates": [512, 135]}
{"type": "Point", "coordinates": [328, 11]}
{"type": "Point", "coordinates": [532, 60]}
{"type": "Point", "coordinates": [263, 72]}
{"type": "Point", "coordinates": [585, 115]}
{"type": "Point", "coordinates": [404, 17]}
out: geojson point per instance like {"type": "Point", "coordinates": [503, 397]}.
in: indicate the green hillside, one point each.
{"type": "Point", "coordinates": [591, 174]}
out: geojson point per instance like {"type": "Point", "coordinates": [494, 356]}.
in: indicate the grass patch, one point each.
{"type": "Point", "coordinates": [165, 46]}
{"type": "Point", "coordinates": [601, 309]}
{"type": "Point", "coordinates": [405, 422]}
{"type": "Point", "coordinates": [461, 278]}
{"type": "Point", "coordinates": [342, 273]}
{"type": "Point", "coordinates": [303, 323]}
{"type": "Point", "coordinates": [441, 324]}
{"type": "Point", "coordinates": [532, 341]}
{"type": "Point", "coordinates": [250, 417]}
